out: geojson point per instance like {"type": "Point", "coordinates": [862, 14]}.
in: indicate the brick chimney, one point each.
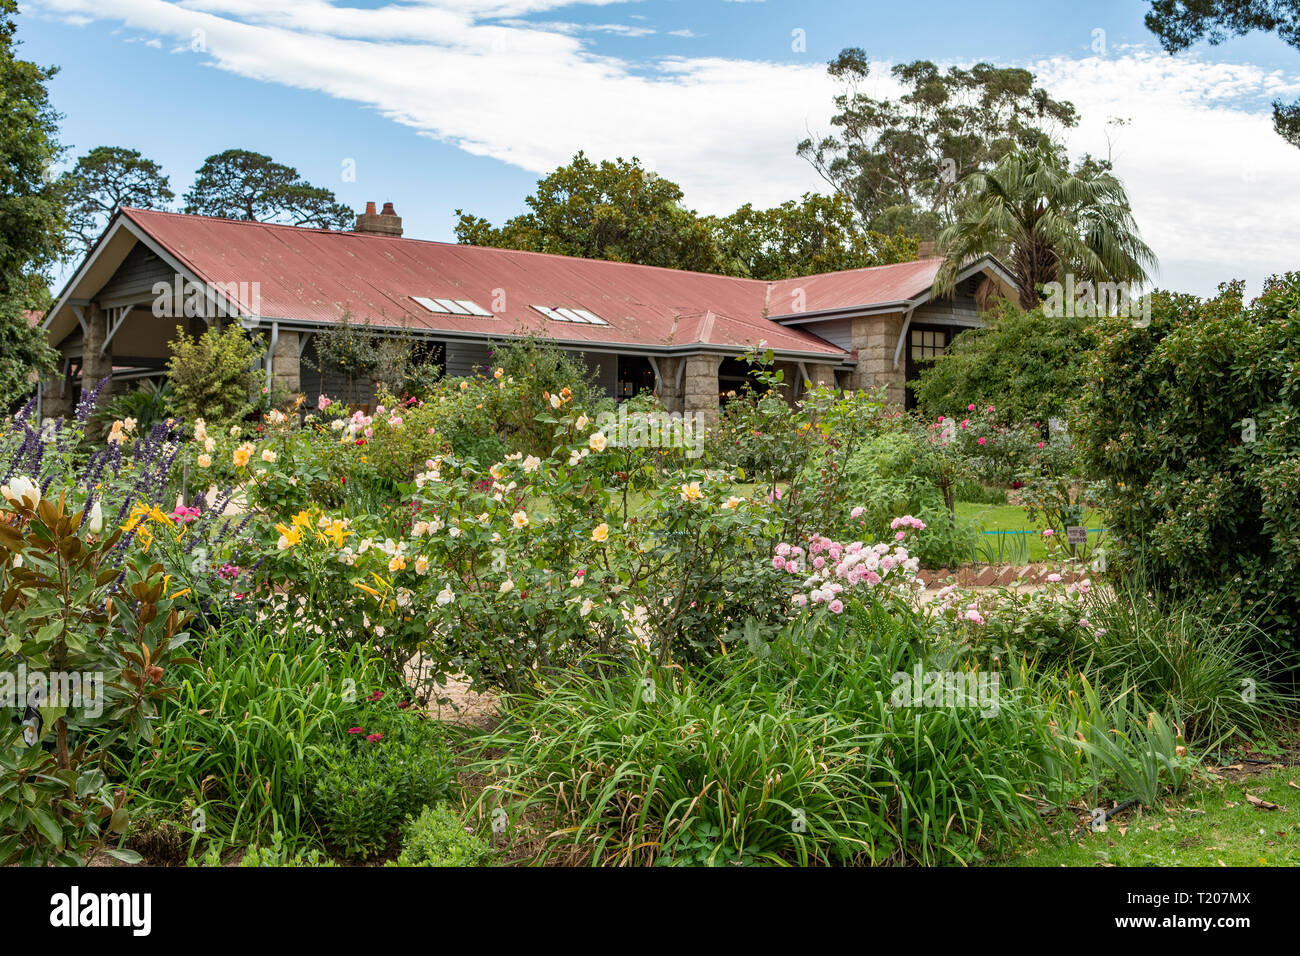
{"type": "Point", "coordinates": [386, 223]}
{"type": "Point", "coordinates": [926, 250]}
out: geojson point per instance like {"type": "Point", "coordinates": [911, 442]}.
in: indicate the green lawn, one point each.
{"type": "Point", "coordinates": [1212, 825]}
{"type": "Point", "coordinates": [1010, 546]}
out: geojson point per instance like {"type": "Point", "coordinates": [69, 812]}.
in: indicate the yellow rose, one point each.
{"type": "Point", "coordinates": [205, 461]}
{"type": "Point", "coordinates": [600, 533]}
{"type": "Point", "coordinates": [520, 518]}
{"type": "Point", "coordinates": [597, 441]}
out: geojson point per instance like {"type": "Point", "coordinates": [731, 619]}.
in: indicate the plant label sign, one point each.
{"type": "Point", "coordinates": [1076, 534]}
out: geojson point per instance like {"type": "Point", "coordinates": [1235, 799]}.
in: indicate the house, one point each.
{"type": "Point", "coordinates": [640, 327]}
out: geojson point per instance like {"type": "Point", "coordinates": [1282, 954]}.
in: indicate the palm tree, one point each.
{"type": "Point", "coordinates": [1046, 221]}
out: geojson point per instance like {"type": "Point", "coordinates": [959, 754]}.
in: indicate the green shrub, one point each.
{"type": "Point", "coordinates": [1193, 423]}
{"type": "Point", "coordinates": [364, 783]}
{"type": "Point", "coordinates": [349, 350]}
{"type": "Point", "coordinates": [1046, 625]}
{"type": "Point", "coordinates": [277, 854]}
{"type": "Point", "coordinates": [214, 376]}
{"type": "Point", "coordinates": [439, 837]}
{"type": "Point", "coordinates": [980, 494]}
{"type": "Point", "coordinates": [759, 431]}
{"type": "Point", "coordinates": [148, 404]}
{"type": "Point", "coordinates": [1028, 365]}
{"type": "Point", "coordinates": [75, 610]}
{"type": "Point", "coordinates": [884, 477]}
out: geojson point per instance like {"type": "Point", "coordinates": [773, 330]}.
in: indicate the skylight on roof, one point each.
{"type": "Point", "coordinates": [452, 306]}
{"type": "Point", "coordinates": [566, 314]}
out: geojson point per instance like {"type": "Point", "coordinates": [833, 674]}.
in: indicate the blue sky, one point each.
{"type": "Point", "coordinates": [443, 104]}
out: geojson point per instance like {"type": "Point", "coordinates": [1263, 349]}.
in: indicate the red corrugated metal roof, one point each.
{"type": "Point", "coordinates": [878, 285]}
{"type": "Point", "coordinates": [314, 275]}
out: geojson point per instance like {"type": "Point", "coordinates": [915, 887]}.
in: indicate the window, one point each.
{"type": "Point", "coordinates": [452, 306]}
{"type": "Point", "coordinates": [927, 343]}
{"type": "Point", "coordinates": [566, 314]}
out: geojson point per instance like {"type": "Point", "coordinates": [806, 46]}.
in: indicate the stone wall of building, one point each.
{"type": "Point", "coordinates": [792, 384]}
{"type": "Point", "coordinates": [669, 392]}
{"type": "Point", "coordinates": [56, 396]}
{"type": "Point", "coordinates": [700, 386]}
{"type": "Point", "coordinates": [875, 337]}
{"type": "Point", "coordinates": [819, 374]}
{"type": "Point", "coordinates": [286, 369]}
{"type": "Point", "coordinates": [96, 363]}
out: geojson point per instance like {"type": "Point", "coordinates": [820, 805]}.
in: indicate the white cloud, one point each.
{"type": "Point", "coordinates": [618, 29]}
{"type": "Point", "coordinates": [1213, 186]}
{"type": "Point", "coordinates": [527, 95]}
{"type": "Point", "coordinates": [1215, 190]}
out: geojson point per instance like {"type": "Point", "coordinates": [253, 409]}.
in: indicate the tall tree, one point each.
{"type": "Point", "coordinates": [239, 184]}
{"type": "Point", "coordinates": [105, 179]}
{"type": "Point", "coordinates": [815, 234]}
{"type": "Point", "coordinates": [615, 210]}
{"type": "Point", "coordinates": [1046, 221]}
{"type": "Point", "coordinates": [31, 210]}
{"type": "Point", "coordinates": [1180, 23]}
{"type": "Point", "coordinates": [898, 161]}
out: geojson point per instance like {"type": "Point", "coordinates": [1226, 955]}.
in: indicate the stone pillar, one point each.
{"type": "Point", "coordinates": [792, 384]}
{"type": "Point", "coordinates": [95, 366]}
{"type": "Point", "coordinates": [285, 367]}
{"type": "Point", "coordinates": [700, 386]}
{"type": "Point", "coordinates": [669, 393]}
{"type": "Point", "coordinates": [56, 395]}
{"type": "Point", "coordinates": [821, 374]}
{"type": "Point", "coordinates": [875, 337]}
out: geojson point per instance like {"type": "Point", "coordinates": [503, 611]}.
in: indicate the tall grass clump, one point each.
{"type": "Point", "coordinates": [1217, 671]}
{"type": "Point", "coordinates": [237, 744]}
{"type": "Point", "coordinates": [788, 752]}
